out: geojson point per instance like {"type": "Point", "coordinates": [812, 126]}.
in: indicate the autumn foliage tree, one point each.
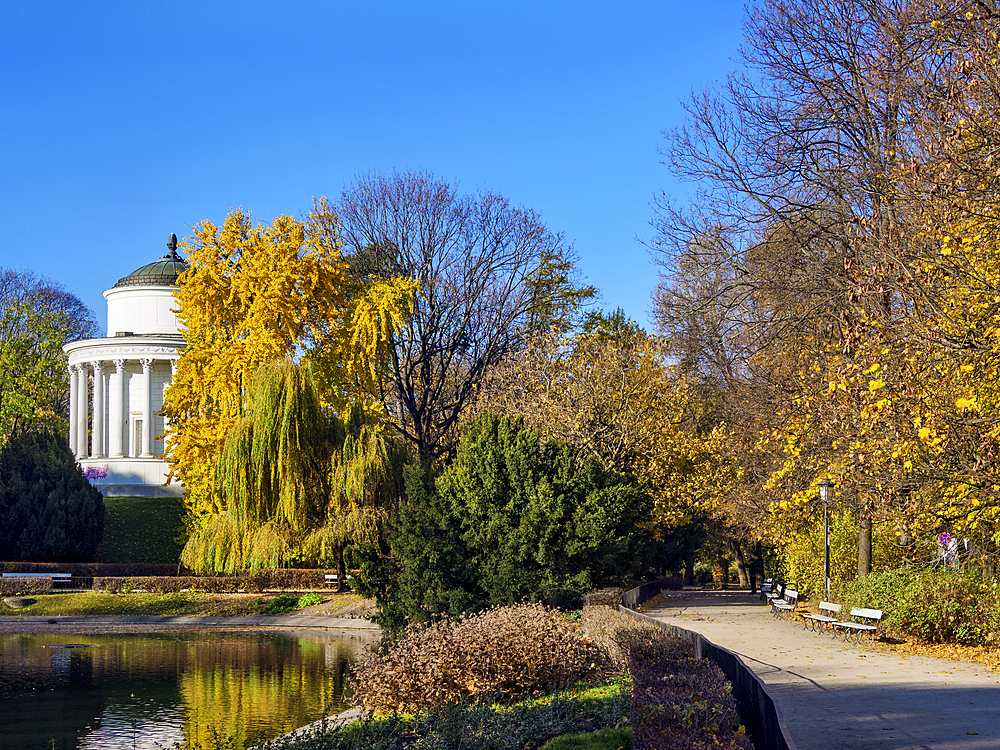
{"type": "Point", "coordinates": [37, 317]}
{"type": "Point", "coordinates": [253, 294]}
{"type": "Point", "coordinates": [295, 481]}
{"type": "Point", "coordinates": [834, 270]}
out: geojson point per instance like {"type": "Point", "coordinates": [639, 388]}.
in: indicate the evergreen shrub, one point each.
{"type": "Point", "coordinates": [48, 509]}
{"type": "Point", "coordinates": [502, 653]}
{"type": "Point", "coordinates": [512, 518]}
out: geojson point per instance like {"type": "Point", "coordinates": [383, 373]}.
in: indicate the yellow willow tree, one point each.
{"type": "Point", "coordinates": [257, 293]}
{"type": "Point", "coordinates": [293, 480]}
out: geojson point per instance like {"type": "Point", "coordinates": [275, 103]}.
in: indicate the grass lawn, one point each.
{"type": "Point", "coordinates": [141, 529]}
{"type": "Point", "coordinates": [101, 603]}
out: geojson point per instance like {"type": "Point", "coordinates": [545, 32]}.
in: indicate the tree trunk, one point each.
{"type": "Point", "coordinates": [758, 567]}
{"type": "Point", "coordinates": [723, 562]}
{"type": "Point", "coordinates": [741, 563]}
{"type": "Point", "coordinates": [689, 571]}
{"type": "Point", "coordinates": [865, 542]}
{"type": "Point", "coordinates": [341, 570]}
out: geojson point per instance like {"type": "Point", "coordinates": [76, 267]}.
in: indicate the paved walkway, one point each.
{"type": "Point", "coordinates": [834, 695]}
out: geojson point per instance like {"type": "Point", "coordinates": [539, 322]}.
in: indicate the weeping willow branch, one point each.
{"type": "Point", "coordinates": [294, 480]}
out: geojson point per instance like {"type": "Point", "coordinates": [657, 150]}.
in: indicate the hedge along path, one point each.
{"type": "Point", "coordinates": [835, 695]}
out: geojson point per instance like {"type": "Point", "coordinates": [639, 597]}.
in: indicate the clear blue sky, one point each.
{"type": "Point", "coordinates": [121, 122]}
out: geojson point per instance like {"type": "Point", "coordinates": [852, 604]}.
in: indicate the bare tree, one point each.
{"type": "Point", "coordinates": [490, 275]}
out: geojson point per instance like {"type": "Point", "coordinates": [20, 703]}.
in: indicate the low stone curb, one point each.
{"type": "Point", "coordinates": [256, 621]}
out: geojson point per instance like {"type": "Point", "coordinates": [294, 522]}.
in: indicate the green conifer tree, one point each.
{"type": "Point", "coordinates": [48, 510]}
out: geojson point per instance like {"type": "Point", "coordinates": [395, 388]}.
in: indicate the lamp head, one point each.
{"type": "Point", "coordinates": [824, 489]}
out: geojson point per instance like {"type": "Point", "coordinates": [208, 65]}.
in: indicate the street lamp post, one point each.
{"type": "Point", "coordinates": [824, 492]}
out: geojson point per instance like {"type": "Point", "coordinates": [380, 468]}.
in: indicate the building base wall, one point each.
{"type": "Point", "coordinates": [131, 477]}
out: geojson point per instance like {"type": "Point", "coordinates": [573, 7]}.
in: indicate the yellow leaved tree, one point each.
{"type": "Point", "coordinates": [253, 294]}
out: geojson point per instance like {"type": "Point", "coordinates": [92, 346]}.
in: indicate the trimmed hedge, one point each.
{"type": "Point", "coordinates": [90, 570]}
{"type": "Point", "coordinates": [677, 703]}
{"type": "Point", "coordinates": [167, 578]}
{"type": "Point", "coordinates": [285, 580]}
{"type": "Point", "coordinates": [24, 586]}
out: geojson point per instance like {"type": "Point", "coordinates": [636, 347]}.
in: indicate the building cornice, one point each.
{"type": "Point", "coordinates": [124, 347]}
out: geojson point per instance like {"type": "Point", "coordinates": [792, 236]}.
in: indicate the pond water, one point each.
{"type": "Point", "coordinates": [154, 691]}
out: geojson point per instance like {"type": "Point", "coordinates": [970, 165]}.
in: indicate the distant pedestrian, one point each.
{"type": "Point", "coordinates": [752, 572]}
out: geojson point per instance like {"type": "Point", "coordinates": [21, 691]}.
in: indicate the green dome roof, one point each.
{"type": "Point", "coordinates": [163, 272]}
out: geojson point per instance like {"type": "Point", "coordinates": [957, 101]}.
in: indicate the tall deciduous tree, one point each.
{"type": "Point", "coordinates": [37, 317]}
{"type": "Point", "coordinates": [253, 294]}
{"type": "Point", "coordinates": [488, 276]}
{"type": "Point", "coordinates": [609, 391]}
{"type": "Point", "coordinates": [793, 256]}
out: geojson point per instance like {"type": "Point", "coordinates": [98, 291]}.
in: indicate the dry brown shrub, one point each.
{"type": "Point", "coordinates": [607, 597]}
{"type": "Point", "coordinates": [616, 634]}
{"type": "Point", "coordinates": [501, 654]}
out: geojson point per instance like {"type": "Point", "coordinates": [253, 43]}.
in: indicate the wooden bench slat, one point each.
{"type": "Point", "coordinates": [787, 603]}
{"type": "Point", "coordinates": [862, 621]}
{"type": "Point", "coordinates": [822, 620]}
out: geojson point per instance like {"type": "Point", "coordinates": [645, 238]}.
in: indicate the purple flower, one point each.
{"type": "Point", "coordinates": [96, 472]}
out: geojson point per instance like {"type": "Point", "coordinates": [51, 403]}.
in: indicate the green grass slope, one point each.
{"type": "Point", "coordinates": [141, 530]}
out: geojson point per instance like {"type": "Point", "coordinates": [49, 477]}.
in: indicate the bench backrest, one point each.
{"type": "Point", "coordinates": [37, 575]}
{"type": "Point", "coordinates": [866, 614]}
{"type": "Point", "coordinates": [829, 607]}
{"type": "Point", "coordinates": [791, 596]}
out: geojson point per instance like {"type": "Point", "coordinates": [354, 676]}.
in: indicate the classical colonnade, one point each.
{"type": "Point", "coordinates": [118, 417]}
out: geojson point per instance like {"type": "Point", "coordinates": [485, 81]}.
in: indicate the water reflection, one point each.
{"type": "Point", "coordinates": [154, 691]}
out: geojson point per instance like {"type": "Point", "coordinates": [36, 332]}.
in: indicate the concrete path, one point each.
{"type": "Point", "coordinates": [835, 695]}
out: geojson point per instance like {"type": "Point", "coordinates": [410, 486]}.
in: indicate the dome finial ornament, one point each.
{"type": "Point", "coordinates": [162, 272]}
{"type": "Point", "coordinates": [172, 247]}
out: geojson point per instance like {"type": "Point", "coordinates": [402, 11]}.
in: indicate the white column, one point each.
{"type": "Point", "coordinates": [73, 385]}
{"type": "Point", "coordinates": [118, 412]}
{"type": "Point", "coordinates": [147, 408]}
{"type": "Point", "coordinates": [166, 386]}
{"type": "Point", "coordinates": [97, 444]}
{"type": "Point", "coordinates": [82, 404]}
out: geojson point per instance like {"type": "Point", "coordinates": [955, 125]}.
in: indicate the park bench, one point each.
{"type": "Point", "coordinates": [862, 621]}
{"type": "Point", "coordinates": [330, 578]}
{"type": "Point", "coordinates": [766, 588]}
{"type": "Point", "coordinates": [785, 605]}
{"type": "Point", "coordinates": [63, 578]}
{"type": "Point", "coordinates": [822, 621]}
{"type": "Point", "coordinates": [772, 589]}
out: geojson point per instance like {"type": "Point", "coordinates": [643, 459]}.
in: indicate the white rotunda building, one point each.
{"type": "Point", "coordinates": [117, 384]}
